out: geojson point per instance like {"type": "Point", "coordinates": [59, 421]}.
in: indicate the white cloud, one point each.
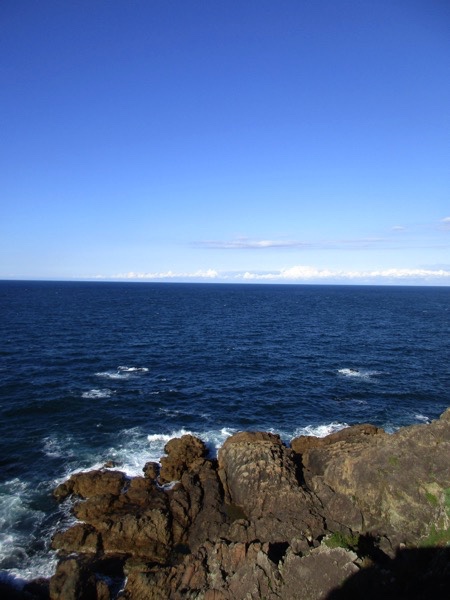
{"type": "Point", "coordinates": [307, 273]}
{"type": "Point", "coordinates": [200, 274]}
{"type": "Point", "coordinates": [298, 273]}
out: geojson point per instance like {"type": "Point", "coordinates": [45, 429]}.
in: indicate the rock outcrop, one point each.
{"type": "Point", "coordinates": [396, 486]}
{"type": "Point", "coordinates": [320, 519]}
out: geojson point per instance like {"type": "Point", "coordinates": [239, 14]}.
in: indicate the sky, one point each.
{"type": "Point", "coordinates": [256, 141]}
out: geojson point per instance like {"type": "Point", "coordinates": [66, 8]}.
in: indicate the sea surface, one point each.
{"type": "Point", "coordinates": [91, 372]}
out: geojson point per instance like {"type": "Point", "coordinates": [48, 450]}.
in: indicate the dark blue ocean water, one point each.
{"type": "Point", "coordinates": [97, 371]}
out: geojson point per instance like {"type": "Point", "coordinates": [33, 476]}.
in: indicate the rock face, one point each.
{"type": "Point", "coordinates": [263, 520]}
{"type": "Point", "coordinates": [259, 477]}
{"type": "Point", "coordinates": [398, 485]}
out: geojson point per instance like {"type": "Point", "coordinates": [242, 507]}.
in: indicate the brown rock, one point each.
{"type": "Point", "coordinates": [91, 483]}
{"type": "Point", "coordinates": [136, 522]}
{"type": "Point", "coordinates": [314, 576]}
{"type": "Point", "coordinates": [259, 477]}
{"type": "Point", "coordinates": [81, 537]}
{"type": "Point", "coordinates": [249, 526]}
{"type": "Point", "coordinates": [151, 470]}
{"type": "Point", "coordinates": [353, 434]}
{"type": "Point", "coordinates": [396, 483]}
{"type": "Point", "coordinates": [74, 580]}
{"type": "Point", "coordinates": [181, 453]}
{"type": "Point", "coordinates": [197, 505]}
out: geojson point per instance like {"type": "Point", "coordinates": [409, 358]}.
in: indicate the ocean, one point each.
{"type": "Point", "coordinates": [93, 372]}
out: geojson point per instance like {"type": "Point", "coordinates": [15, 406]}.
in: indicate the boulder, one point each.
{"type": "Point", "coordinates": [91, 483]}
{"type": "Point", "coordinates": [313, 576]}
{"type": "Point", "coordinates": [181, 454]}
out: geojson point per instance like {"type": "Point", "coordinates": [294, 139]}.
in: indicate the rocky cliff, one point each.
{"type": "Point", "coordinates": [358, 514]}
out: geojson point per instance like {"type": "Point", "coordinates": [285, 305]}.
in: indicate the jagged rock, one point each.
{"type": "Point", "coordinates": [81, 537]}
{"type": "Point", "coordinates": [181, 453]}
{"type": "Point", "coordinates": [250, 525]}
{"type": "Point", "coordinates": [151, 470]}
{"type": "Point", "coordinates": [74, 580]}
{"type": "Point", "coordinates": [134, 522]}
{"type": "Point", "coordinates": [91, 483]}
{"type": "Point", "coordinates": [196, 505]}
{"type": "Point", "coordinates": [259, 476]}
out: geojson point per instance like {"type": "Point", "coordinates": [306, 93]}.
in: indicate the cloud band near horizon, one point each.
{"type": "Point", "coordinates": [296, 273]}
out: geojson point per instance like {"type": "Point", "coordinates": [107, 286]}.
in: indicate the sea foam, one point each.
{"type": "Point", "coordinates": [320, 430]}
{"type": "Point", "coordinates": [358, 373]}
{"type": "Point", "coordinates": [98, 393]}
{"type": "Point", "coordinates": [122, 372]}
{"type": "Point", "coordinates": [20, 526]}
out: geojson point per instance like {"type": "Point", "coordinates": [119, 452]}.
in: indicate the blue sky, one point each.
{"type": "Point", "coordinates": [252, 141]}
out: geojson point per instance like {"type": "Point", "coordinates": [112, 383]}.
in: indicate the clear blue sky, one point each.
{"type": "Point", "coordinates": [204, 140]}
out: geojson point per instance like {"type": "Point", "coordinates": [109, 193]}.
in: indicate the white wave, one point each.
{"type": "Point", "coordinates": [358, 373]}
{"type": "Point", "coordinates": [133, 369]}
{"type": "Point", "coordinates": [135, 447]}
{"type": "Point", "coordinates": [133, 450]}
{"type": "Point", "coordinates": [112, 375]}
{"type": "Point", "coordinates": [122, 372]}
{"type": "Point", "coordinates": [164, 437]}
{"type": "Point", "coordinates": [215, 438]}
{"type": "Point", "coordinates": [422, 418]}
{"type": "Point", "coordinates": [158, 437]}
{"type": "Point", "coordinates": [98, 393]}
{"type": "Point", "coordinates": [20, 524]}
{"type": "Point", "coordinates": [320, 430]}
{"type": "Point", "coordinates": [57, 446]}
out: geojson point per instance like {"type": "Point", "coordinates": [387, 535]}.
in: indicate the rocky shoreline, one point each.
{"type": "Point", "coordinates": [357, 514]}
